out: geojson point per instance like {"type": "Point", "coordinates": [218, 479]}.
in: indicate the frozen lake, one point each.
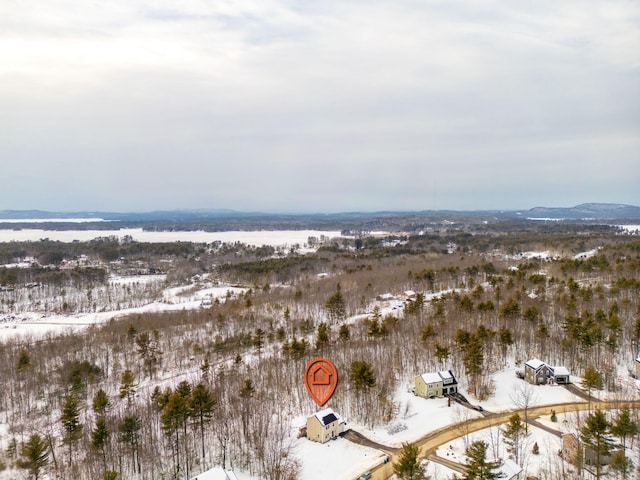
{"type": "Point", "coordinates": [257, 238]}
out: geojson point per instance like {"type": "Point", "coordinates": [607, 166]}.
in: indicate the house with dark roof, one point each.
{"type": "Point", "coordinates": [539, 373]}
{"type": "Point", "coordinates": [536, 372]}
{"type": "Point", "coordinates": [324, 425]}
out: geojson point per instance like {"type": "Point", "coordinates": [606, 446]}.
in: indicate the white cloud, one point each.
{"type": "Point", "coordinates": [284, 102]}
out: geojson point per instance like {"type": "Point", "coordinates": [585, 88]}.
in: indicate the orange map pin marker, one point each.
{"type": "Point", "coordinates": [321, 379]}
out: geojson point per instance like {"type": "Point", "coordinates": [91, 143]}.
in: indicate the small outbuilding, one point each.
{"type": "Point", "coordinates": [385, 297]}
{"type": "Point", "coordinates": [560, 375]}
{"type": "Point", "coordinates": [409, 295]}
{"type": "Point", "coordinates": [510, 470]}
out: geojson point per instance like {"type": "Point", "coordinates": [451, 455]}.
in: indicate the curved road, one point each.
{"type": "Point", "coordinates": [432, 440]}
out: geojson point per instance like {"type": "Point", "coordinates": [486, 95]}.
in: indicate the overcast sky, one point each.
{"type": "Point", "coordinates": [318, 105]}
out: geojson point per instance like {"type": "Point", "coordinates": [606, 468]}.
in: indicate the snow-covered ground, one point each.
{"type": "Point", "coordinates": [546, 459]}
{"type": "Point", "coordinates": [508, 389]}
{"type": "Point", "coordinates": [543, 255]}
{"type": "Point", "coordinates": [629, 228]}
{"type": "Point", "coordinates": [37, 325]}
{"type": "Point", "coordinates": [417, 417]}
{"type": "Point", "coordinates": [336, 459]}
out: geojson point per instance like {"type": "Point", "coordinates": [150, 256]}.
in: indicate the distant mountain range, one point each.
{"type": "Point", "coordinates": [126, 216]}
{"type": "Point", "coordinates": [599, 211]}
{"type": "Point", "coordinates": [585, 211]}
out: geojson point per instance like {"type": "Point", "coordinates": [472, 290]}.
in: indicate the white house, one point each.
{"type": "Point", "coordinates": [409, 295]}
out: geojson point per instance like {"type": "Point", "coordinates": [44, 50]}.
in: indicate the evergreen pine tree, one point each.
{"type": "Point", "coordinates": [204, 368]}
{"type": "Point", "coordinates": [427, 332]}
{"type": "Point", "coordinates": [70, 419]}
{"type": "Point", "coordinates": [128, 434]}
{"type": "Point", "coordinates": [473, 359]}
{"type": "Point", "coordinates": [35, 455]}
{"type": "Point", "coordinates": [247, 389]}
{"type": "Point", "coordinates": [100, 402]}
{"type": "Point", "coordinates": [184, 389]}
{"type": "Point", "coordinates": [361, 375]}
{"type": "Point", "coordinates": [173, 414]}
{"type": "Point", "coordinates": [24, 361]}
{"type": "Point", "coordinates": [99, 438]}
{"type": "Point", "coordinates": [408, 466]}
{"type": "Point", "coordinates": [127, 389]}
{"type": "Point", "coordinates": [624, 426]}
{"type": "Point", "coordinates": [441, 352]}
{"type": "Point", "coordinates": [595, 433]}
{"type": "Point", "coordinates": [478, 468]}
{"type": "Point", "coordinates": [335, 305]}
{"type": "Point", "coordinates": [257, 340]}
{"type": "Point", "coordinates": [621, 463]}
{"type": "Point", "coordinates": [514, 434]}
{"type": "Point", "coordinates": [201, 405]}
{"type": "Point", "coordinates": [322, 338]}
{"type": "Point", "coordinates": [591, 379]}
{"type": "Point", "coordinates": [344, 333]}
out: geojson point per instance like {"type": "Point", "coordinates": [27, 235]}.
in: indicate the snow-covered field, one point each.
{"type": "Point", "coordinates": [508, 386]}
{"type": "Point", "coordinates": [37, 325]}
{"type": "Point", "coordinates": [630, 228]}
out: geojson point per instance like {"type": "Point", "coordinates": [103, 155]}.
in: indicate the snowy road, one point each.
{"type": "Point", "coordinates": [431, 441]}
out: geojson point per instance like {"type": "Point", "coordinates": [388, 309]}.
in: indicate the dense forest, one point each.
{"type": "Point", "coordinates": [167, 395]}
